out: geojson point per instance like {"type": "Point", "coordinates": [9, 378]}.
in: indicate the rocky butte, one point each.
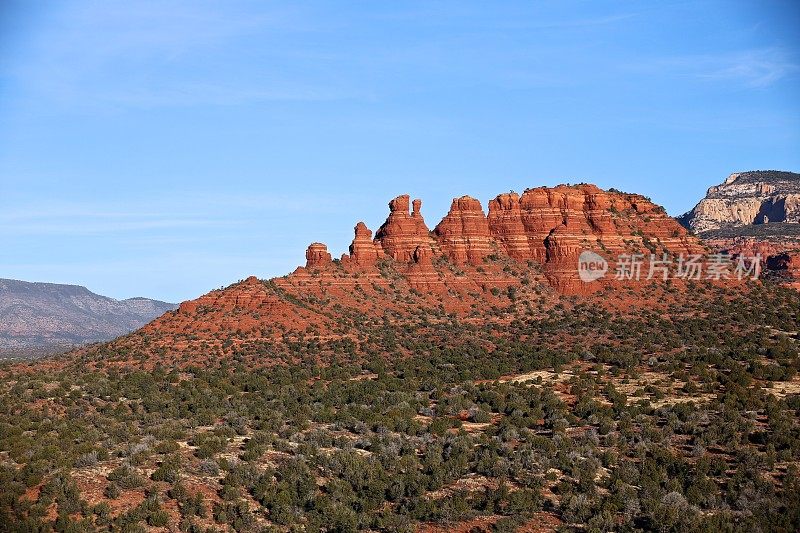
{"type": "Point", "coordinates": [548, 227]}
{"type": "Point", "coordinates": [751, 213]}
{"type": "Point", "coordinates": [756, 198]}
{"type": "Point", "coordinates": [521, 251]}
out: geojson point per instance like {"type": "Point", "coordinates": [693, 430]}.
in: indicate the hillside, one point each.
{"type": "Point", "coordinates": [526, 247]}
{"type": "Point", "coordinates": [461, 379]}
{"type": "Point", "coordinates": [659, 408]}
{"type": "Point", "coordinates": [40, 318]}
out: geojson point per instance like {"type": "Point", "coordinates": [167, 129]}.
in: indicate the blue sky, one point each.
{"type": "Point", "coordinates": [167, 148]}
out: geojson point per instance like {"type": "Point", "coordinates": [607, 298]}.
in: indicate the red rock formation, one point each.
{"type": "Point", "coordinates": [554, 225]}
{"type": "Point", "coordinates": [522, 224]}
{"type": "Point", "coordinates": [422, 256]}
{"type": "Point", "coordinates": [529, 243]}
{"type": "Point", "coordinates": [505, 225]}
{"type": "Point", "coordinates": [421, 274]}
{"type": "Point", "coordinates": [317, 255]}
{"type": "Point", "coordinates": [780, 257]}
{"type": "Point", "coordinates": [463, 235]}
{"type": "Point", "coordinates": [402, 233]}
{"type": "Point", "coordinates": [550, 226]}
{"type": "Point", "coordinates": [363, 250]}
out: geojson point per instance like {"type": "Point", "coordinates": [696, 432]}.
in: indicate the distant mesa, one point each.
{"type": "Point", "coordinates": [745, 199]}
{"type": "Point", "coordinates": [753, 213]}
{"type": "Point", "coordinates": [44, 318]}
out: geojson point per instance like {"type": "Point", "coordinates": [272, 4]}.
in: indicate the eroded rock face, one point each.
{"type": "Point", "coordinates": [363, 250]}
{"type": "Point", "coordinates": [526, 247]}
{"type": "Point", "coordinates": [317, 255]}
{"type": "Point", "coordinates": [546, 226]}
{"type": "Point", "coordinates": [506, 227]}
{"type": "Point", "coordinates": [779, 258]}
{"type": "Point", "coordinates": [422, 255]}
{"type": "Point", "coordinates": [524, 226]}
{"type": "Point", "coordinates": [402, 232]}
{"type": "Point", "coordinates": [749, 247]}
{"type": "Point", "coordinates": [753, 213]}
{"type": "Point", "coordinates": [463, 235]}
{"type": "Point", "coordinates": [553, 226]}
{"type": "Point", "coordinates": [747, 198]}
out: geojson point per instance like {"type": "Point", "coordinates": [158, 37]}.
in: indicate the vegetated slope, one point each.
{"type": "Point", "coordinates": [662, 408]}
{"type": "Point", "coordinates": [470, 265]}
{"type": "Point", "coordinates": [403, 391]}
{"type": "Point", "coordinates": [41, 317]}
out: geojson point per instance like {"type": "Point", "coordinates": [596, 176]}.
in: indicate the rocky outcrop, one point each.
{"type": "Point", "coordinates": [779, 258]}
{"type": "Point", "coordinates": [553, 226]}
{"type": "Point", "coordinates": [463, 235]}
{"type": "Point", "coordinates": [402, 232]}
{"type": "Point", "coordinates": [547, 226]}
{"type": "Point", "coordinates": [527, 246]}
{"type": "Point", "coordinates": [506, 227]}
{"type": "Point", "coordinates": [363, 250]}
{"type": "Point", "coordinates": [523, 224]}
{"type": "Point", "coordinates": [750, 246]}
{"type": "Point", "coordinates": [747, 198]}
{"type": "Point", "coordinates": [317, 255]}
{"type": "Point", "coordinates": [753, 213]}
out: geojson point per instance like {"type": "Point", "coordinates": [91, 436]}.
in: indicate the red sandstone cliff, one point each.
{"type": "Point", "coordinates": [472, 263]}
{"type": "Point", "coordinates": [363, 250]}
{"type": "Point", "coordinates": [317, 254]}
{"type": "Point", "coordinates": [547, 226]}
{"type": "Point", "coordinates": [779, 256]}
{"type": "Point", "coordinates": [464, 235]}
{"type": "Point", "coordinates": [402, 233]}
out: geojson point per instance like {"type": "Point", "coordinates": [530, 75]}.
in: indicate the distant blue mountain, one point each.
{"type": "Point", "coordinates": [41, 318]}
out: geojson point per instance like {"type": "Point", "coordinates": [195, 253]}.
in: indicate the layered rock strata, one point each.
{"type": "Point", "coordinates": [545, 226]}
{"type": "Point", "coordinates": [747, 198]}
{"type": "Point", "coordinates": [317, 255]}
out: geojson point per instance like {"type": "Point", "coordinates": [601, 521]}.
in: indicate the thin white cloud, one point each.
{"type": "Point", "coordinates": [750, 68]}
{"type": "Point", "coordinates": [755, 69]}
